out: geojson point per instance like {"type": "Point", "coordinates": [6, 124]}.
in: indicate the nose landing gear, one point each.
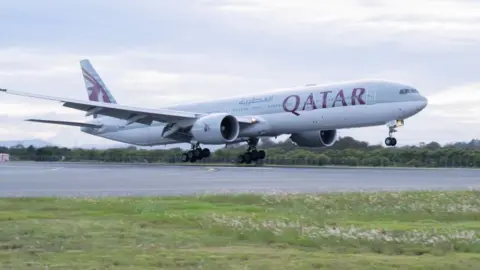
{"type": "Point", "coordinates": [390, 140]}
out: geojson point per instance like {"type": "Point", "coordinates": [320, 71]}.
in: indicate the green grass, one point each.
{"type": "Point", "coordinates": [404, 230]}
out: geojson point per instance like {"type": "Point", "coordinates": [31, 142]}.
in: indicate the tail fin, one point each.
{"type": "Point", "coordinates": [96, 89]}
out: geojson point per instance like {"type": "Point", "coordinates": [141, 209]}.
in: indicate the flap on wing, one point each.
{"type": "Point", "coordinates": [65, 123]}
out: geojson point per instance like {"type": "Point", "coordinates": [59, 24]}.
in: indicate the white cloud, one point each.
{"type": "Point", "coordinates": [31, 108]}
{"type": "Point", "coordinates": [153, 81]}
{"type": "Point", "coordinates": [356, 22]}
{"type": "Point", "coordinates": [459, 104]}
{"type": "Point", "coordinates": [458, 95]}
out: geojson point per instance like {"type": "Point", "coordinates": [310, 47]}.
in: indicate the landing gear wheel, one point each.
{"type": "Point", "coordinates": [248, 157]}
{"type": "Point", "coordinates": [261, 154]}
{"type": "Point", "coordinates": [390, 141]}
{"type": "Point", "coordinates": [252, 154]}
{"type": "Point", "coordinates": [205, 152]}
{"type": "Point", "coordinates": [240, 159]}
{"type": "Point", "coordinates": [394, 142]}
{"type": "Point", "coordinates": [197, 153]}
{"type": "Point", "coordinates": [190, 154]}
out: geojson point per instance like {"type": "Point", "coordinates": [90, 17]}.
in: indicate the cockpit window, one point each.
{"type": "Point", "coordinates": [408, 91]}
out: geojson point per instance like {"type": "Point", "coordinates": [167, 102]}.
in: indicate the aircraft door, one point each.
{"type": "Point", "coordinates": [371, 96]}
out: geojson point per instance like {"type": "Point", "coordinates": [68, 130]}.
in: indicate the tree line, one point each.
{"type": "Point", "coordinates": [347, 152]}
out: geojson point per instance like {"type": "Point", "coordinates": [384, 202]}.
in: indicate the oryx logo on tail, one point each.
{"type": "Point", "coordinates": [96, 89]}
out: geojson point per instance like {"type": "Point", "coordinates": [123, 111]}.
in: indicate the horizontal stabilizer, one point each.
{"type": "Point", "coordinates": [65, 123]}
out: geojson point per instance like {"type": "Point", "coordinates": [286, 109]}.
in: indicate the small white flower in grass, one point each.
{"type": "Point", "coordinates": [312, 231]}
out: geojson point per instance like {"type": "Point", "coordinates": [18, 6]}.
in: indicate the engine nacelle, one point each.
{"type": "Point", "coordinates": [320, 138]}
{"type": "Point", "coordinates": [217, 128]}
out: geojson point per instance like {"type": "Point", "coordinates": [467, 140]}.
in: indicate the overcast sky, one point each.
{"type": "Point", "coordinates": [156, 52]}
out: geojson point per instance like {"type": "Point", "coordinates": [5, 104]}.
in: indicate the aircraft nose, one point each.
{"type": "Point", "coordinates": [424, 102]}
{"type": "Point", "coordinates": [420, 104]}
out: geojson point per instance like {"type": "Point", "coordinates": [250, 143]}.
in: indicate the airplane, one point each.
{"type": "Point", "coordinates": [310, 114]}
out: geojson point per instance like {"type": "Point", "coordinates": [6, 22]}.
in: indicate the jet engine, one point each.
{"type": "Point", "coordinates": [217, 128]}
{"type": "Point", "coordinates": [320, 138]}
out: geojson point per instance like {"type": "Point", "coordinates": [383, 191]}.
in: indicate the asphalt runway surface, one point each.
{"type": "Point", "coordinates": [80, 179]}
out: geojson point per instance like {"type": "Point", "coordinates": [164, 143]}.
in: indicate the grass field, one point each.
{"type": "Point", "coordinates": [404, 230]}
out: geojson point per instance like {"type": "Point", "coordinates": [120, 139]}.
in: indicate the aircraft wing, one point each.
{"type": "Point", "coordinates": [131, 114]}
{"type": "Point", "coordinates": [65, 123]}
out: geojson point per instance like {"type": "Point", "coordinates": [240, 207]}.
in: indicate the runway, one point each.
{"type": "Point", "coordinates": [80, 179]}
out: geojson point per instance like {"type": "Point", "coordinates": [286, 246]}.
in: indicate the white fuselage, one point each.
{"type": "Point", "coordinates": [294, 110]}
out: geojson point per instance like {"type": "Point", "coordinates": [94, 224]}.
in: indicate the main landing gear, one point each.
{"type": "Point", "coordinates": [252, 154]}
{"type": "Point", "coordinates": [390, 140]}
{"type": "Point", "coordinates": [197, 153]}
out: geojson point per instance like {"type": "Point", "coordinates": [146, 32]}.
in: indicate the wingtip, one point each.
{"type": "Point", "coordinates": [3, 90]}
